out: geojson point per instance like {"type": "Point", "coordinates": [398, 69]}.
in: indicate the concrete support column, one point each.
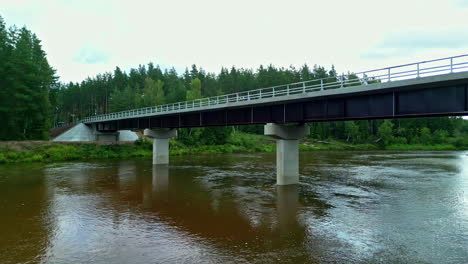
{"type": "Point", "coordinates": [287, 150]}
{"type": "Point", "coordinates": [160, 151]}
{"type": "Point", "coordinates": [160, 138]}
{"type": "Point", "coordinates": [287, 161]}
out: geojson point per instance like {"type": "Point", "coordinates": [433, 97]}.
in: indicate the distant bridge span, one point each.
{"type": "Point", "coordinates": [423, 89]}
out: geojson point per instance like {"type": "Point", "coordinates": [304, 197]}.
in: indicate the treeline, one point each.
{"type": "Point", "coordinates": [25, 80]}
{"type": "Point", "coordinates": [414, 131]}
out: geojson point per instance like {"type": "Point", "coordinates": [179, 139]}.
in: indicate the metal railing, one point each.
{"type": "Point", "coordinates": [395, 73]}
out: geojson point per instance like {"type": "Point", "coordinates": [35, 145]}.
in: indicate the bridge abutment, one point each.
{"type": "Point", "coordinates": [160, 138]}
{"type": "Point", "coordinates": [287, 150]}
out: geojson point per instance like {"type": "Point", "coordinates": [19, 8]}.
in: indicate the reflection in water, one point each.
{"type": "Point", "coordinates": [161, 182]}
{"type": "Point", "coordinates": [287, 203]}
{"type": "Point", "coordinates": [369, 207]}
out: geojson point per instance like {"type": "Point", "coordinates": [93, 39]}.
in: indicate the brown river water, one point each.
{"type": "Point", "coordinates": [350, 207]}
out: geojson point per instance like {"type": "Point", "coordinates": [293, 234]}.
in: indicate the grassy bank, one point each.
{"type": "Point", "coordinates": [44, 151]}
{"type": "Point", "coordinates": [52, 152]}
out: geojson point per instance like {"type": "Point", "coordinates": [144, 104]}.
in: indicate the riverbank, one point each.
{"type": "Point", "coordinates": [46, 151]}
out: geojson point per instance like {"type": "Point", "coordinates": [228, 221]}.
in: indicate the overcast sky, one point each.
{"type": "Point", "coordinates": [85, 37]}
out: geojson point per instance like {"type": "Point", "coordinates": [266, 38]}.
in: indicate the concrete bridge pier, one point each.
{"type": "Point", "coordinates": [160, 138]}
{"type": "Point", "coordinates": [287, 150]}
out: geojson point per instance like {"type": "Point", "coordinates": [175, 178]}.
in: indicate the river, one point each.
{"type": "Point", "coordinates": [350, 207]}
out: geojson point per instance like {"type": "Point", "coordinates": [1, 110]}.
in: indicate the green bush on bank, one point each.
{"type": "Point", "coordinates": [69, 152]}
{"type": "Point", "coordinates": [236, 143]}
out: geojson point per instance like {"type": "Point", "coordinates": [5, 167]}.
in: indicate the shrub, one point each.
{"type": "Point", "coordinates": [62, 153]}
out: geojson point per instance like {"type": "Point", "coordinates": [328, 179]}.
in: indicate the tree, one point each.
{"type": "Point", "coordinates": [153, 93]}
{"type": "Point", "coordinates": [5, 103]}
{"type": "Point", "coordinates": [352, 131]}
{"type": "Point", "coordinates": [385, 132]}
{"type": "Point", "coordinates": [174, 87]}
{"type": "Point", "coordinates": [440, 136]}
{"type": "Point", "coordinates": [425, 136]}
{"type": "Point", "coordinates": [195, 90]}
{"type": "Point", "coordinates": [122, 100]}
{"type": "Point", "coordinates": [26, 77]}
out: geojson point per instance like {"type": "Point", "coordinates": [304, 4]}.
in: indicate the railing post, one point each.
{"type": "Point", "coordinates": [248, 96]}
{"type": "Point", "coordinates": [321, 84]}
{"type": "Point", "coordinates": [273, 91]}
{"type": "Point", "coordinates": [451, 65]}
{"type": "Point", "coordinates": [341, 81]}
{"type": "Point", "coordinates": [417, 73]}
{"type": "Point", "coordinates": [388, 74]}
{"type": "Point", "coordinates": [303, 87]}
{"type": "Point", "coordinates": [287, 89]}
{"type": "Point", "coordinates": [260, 96]}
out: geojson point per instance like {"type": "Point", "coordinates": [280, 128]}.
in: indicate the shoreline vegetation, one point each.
{"type": "Point", "coordinates": [47, 151]}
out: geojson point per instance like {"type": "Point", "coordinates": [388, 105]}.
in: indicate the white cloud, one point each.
{"type": "Point", "coordinates": [87, 37]}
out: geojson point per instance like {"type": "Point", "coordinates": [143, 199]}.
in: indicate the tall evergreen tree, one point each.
{"type": "Point", "coordinates": [26, 81]}
{"type": "Point", "coordinates": [153, 93]}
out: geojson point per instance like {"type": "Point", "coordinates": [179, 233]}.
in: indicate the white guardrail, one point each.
{"type": "Point", "coordinates": [401, 72]}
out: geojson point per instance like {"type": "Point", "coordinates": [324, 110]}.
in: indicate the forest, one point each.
{"type": "Point", "coordinates": [32, 98]}
{"type": "Point", "coordinates": [26, 79]}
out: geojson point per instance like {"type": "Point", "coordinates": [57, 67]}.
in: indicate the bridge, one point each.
{"type": "Point", "coordinates": [422, 89]}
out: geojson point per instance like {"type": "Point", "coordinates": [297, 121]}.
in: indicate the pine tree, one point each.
{"type": "Point", "coordinates": [195, 90]}
{"type": "Point", "coordinates": [26, 77]}
{"type": "Point", "coordinates": [5, 103]}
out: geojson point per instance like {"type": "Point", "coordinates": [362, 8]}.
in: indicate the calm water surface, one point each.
{"type": "Point", "coordinates": [351, 207]}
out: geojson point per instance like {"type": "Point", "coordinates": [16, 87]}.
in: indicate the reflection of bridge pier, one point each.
{"type": "Point", "coordinates": [287, 204]}
{"type": "Point", "coordinates": [160, 182]}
